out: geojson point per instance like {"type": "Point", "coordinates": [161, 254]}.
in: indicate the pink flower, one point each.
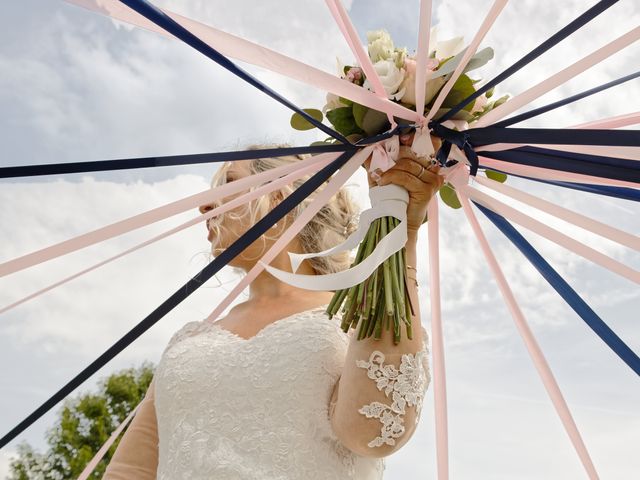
{"type": "Point", "coordinates": [354, 74]}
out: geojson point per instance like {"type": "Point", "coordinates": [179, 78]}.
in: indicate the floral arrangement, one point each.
{"type": "Point", "coordinates": [383, 298]}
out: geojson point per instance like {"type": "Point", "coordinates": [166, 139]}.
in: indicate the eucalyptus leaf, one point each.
{"type": "Point", "coordinates": [500, 101]}
{"type": "Point", "coordinates": [448, 195]}
{"type": "Point", "coordinates": [497, 176]}
{"type": "Point", "coordinates": [478, 60]}
{"type": "Point", "coordinates": [300, 123]}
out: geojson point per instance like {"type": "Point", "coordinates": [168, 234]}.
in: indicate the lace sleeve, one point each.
{"type": "Point", "coordinates": [406, 386]}
{"type": "Point", "coordinates": [137, 453]}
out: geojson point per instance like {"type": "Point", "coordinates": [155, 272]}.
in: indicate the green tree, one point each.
{"type": "Point", "coordinates": [84, 424]}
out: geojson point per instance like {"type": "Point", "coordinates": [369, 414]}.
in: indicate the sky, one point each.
{"type": "Point", "coordinates": [77, 86]}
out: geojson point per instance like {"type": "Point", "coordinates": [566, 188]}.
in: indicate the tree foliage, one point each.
{"type": "Point", "coordinates": [84, 424]}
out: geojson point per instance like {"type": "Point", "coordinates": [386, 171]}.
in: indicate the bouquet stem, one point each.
{"type": "Point", "coordinates": [382, 300]}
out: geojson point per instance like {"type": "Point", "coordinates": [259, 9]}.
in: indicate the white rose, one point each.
{"type": "Point", "coordinates": [449, 48]}
{"type": "Point", "coordinates": [391, 78]}
{"type": "Point", "coordinates": [445, 48]}
{"type": "Point", "coordinates": [409, 83]}
{"type": "Point", "coordinates": [380, 45]}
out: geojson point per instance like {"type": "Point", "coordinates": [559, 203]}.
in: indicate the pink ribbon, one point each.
{"type": "Point", "coordinates": [346, 27]}
{"type": "Point", "coordinates": [93, 463]}
{"type": "Point", "coordinates": [549, 174]}
{"type": "Point", "coordinates": [246, 51]}
{"type": "Point", "coordinates": [559, 78]}
{"type": "Point", "coordinates": [575, 218]}
{"type": "Point", "coordinates": [459, 179]}
{"type": "Point", "coordinates": [424, 31]}
{"type": "Point", "coordinates": [489, 20]}
{"type": "Point", "coordinates": [535, 352]}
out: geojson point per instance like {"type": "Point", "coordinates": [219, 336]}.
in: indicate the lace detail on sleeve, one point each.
{"type": "Point", "coordinates": [406, 385]}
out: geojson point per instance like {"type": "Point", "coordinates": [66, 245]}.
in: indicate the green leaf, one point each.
{"type": "Point", "coordinates": [497, 176]}
{"type": "Point", "coordinates": [489, 92]}
{"type": "Point", "coordinates": [448, 195]}
{"type": "Point", "coordinates": [459, 115]}
{"type": "Point", "coordinates": [346, 101]}
{"type": "Point", "coordinates": [478, 60]}
{"type": "Point", "coordinates": [370, 120]}
{"type": "Point", "coordinates": [300, 123]}
{"type": "Point", "coordinates": [500, 101]}
{"type": "Point", "coordinates": [359, 111]}
{"type": "Point", "coordinates": [461, 90]}
{"type": "Point", "coordinates": [343, 121]}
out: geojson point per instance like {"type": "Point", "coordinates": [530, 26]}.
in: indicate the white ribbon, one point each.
{"type": "Point", "coordinates": [386, 200]}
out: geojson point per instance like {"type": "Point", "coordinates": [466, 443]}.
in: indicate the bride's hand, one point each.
{"type": "Point", "coordinates": [405, 173]}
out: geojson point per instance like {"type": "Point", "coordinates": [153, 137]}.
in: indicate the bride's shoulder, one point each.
{"type": "Point", "coordinates": [186, 330]}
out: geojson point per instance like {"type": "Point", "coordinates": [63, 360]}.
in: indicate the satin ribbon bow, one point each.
{"type": "Point", "coordinates": [384, 156]}
{"type": "Point", "coordinates": [458, 138]}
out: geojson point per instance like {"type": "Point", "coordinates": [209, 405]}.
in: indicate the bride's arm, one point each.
{"type": "Point", "coordinates": [137, 453]}
{"type": "Point", "coordinates": [360, 408]}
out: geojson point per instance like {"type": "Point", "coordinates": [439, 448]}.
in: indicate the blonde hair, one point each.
{"type": "Point", "coordinates": [333, 223]}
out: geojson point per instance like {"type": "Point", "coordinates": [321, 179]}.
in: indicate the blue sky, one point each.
{"type": "Point", "coordinates": [75, 86]}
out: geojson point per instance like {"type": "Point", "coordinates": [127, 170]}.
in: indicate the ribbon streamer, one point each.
{"type": "Point", "coordinates": [606, 231]}
{"type": "Point", "coordinates": [150, 216]}
{"type": "Point", "coordinates": [386, 200]}
{"type": "Point", "coordinates": [560, 103]}
{"type": "Point", "coordinates": [243, 50]}
{"type": "Point", "coordinates": [599, 327]}
{"type": "Point", "coordinates": [322, 161]}
{"type": "Point", "coordinates": [556, 38]}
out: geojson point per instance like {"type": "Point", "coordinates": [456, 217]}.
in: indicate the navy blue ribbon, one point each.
{"type": "Point", "coordinates": [147, 162]}
{"type": "Point", "coordinates": [568, 294]}
{"type": "Point", "coordinates": [606, 167]}
{"type": "Point", "coordinates": [461, 139]}
{"type": "Point", "coordinates": [556, 38]}
{"type": "Point", "coordinates": [187, 289]}
{"type": "Point", "coordinates": [161, 19]}
{"type": "Point", "coordinates": [597, 166]}
{"type": "Point", "coordinates": [559, 136]}
{"type": "Point", "coordinates": [560, 103]}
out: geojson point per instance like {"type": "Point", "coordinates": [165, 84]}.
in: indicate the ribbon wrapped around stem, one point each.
{"type": "Point", "coordinates": [386, 200]}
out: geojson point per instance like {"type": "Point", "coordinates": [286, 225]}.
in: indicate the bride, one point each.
{"type": "Point", "coordinates": [257, 394]}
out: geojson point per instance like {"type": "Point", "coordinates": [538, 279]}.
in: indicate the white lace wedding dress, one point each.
{"type": "Point", "coordinates": [231, 408]}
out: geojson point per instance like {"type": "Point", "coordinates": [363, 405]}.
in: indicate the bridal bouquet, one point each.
{"type": "Point", "coordinates": [383, 298]}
